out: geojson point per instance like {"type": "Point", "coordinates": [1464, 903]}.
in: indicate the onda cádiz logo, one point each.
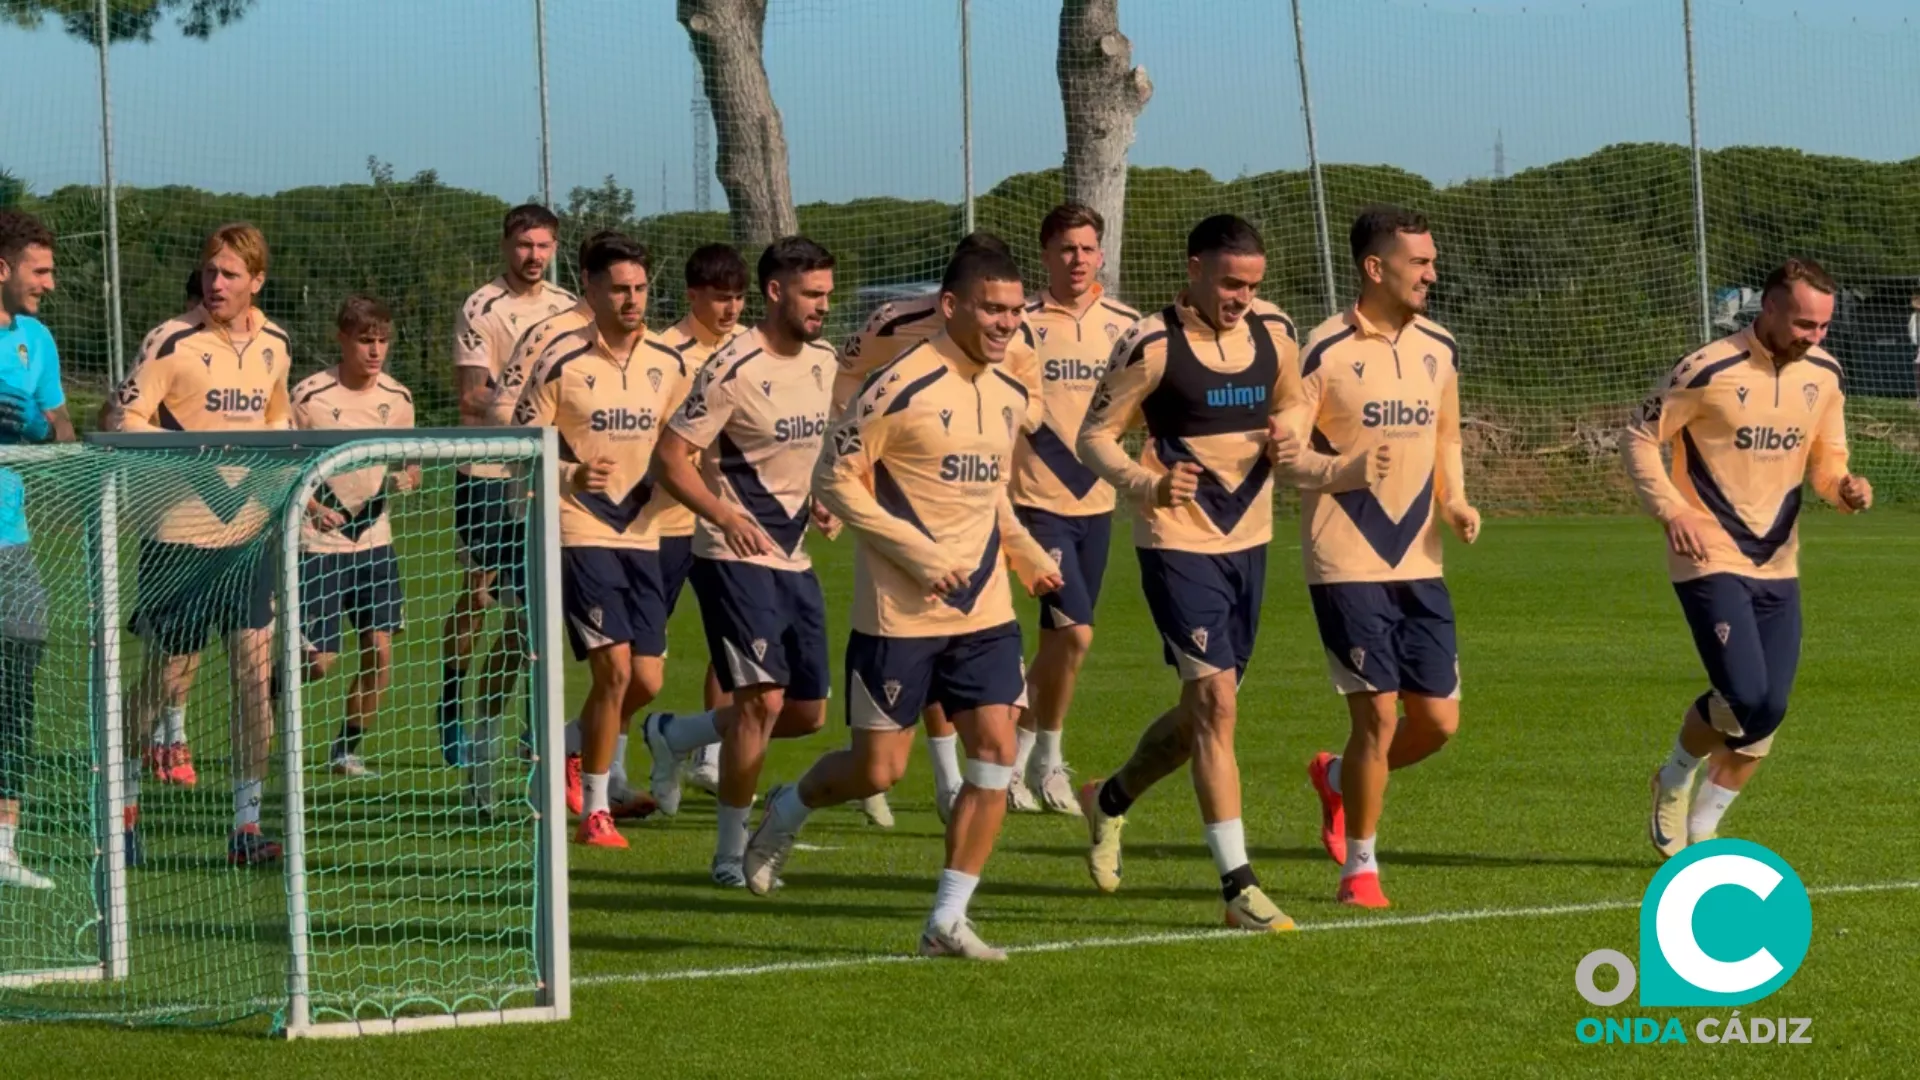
{"type": "Point", "coordinates": [1723, 924]}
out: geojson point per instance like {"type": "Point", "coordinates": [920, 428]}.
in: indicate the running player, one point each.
{"type": "Point", "coordinates": [603, 387]}
{"type": "Point", "coordinates": [489, 504]}
{"type": "Point", "coordinates": [917, 466]}
{"type": "Point", "coordinates": [1067, 508]}
{"type": "Point", "coordinates": [33, 408]}
{"type": "Point", "coordinates": [1748, 419]}
{"type": "Point", "coordinates": [1206, 375]}
{"type": "Point", "coordinates": [716, 278]}
{"type": "Point", "coordinates": [220, 367]}
{"type": "Point", "coordinates": [348, 572]}
{"type": "Point", "coordinates": [1380, 374]}
{"type": "Point", "coordinates": [889, 332]}
{"type": "Point", "coordinates": [755, 420]}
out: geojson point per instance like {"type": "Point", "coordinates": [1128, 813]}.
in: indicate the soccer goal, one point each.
{"type": "Point", "coordinates": [213, 648]}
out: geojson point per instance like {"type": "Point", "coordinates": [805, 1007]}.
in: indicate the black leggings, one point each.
{"type": "Point", "coordinates": [18, 662]}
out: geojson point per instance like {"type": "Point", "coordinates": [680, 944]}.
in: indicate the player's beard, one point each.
{"type": "Point", "coordinates": [797, 328]}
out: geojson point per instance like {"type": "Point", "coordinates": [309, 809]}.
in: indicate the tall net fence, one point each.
{"type": "Point", "coordinates": [150, 698]}
{"type": "Point", "coordinates": [1548, 143]}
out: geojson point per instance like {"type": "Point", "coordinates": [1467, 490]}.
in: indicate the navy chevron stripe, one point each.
{"type": "Point", "coordinates": [1223, 506]}
{"type": "Point", "coordinates": [785, 529]}
{"type": "Point", "coordinates": [907, 394]}
{"type": "Point", "coordinates": [1759, 548]}
{"type": "Point", "coordinates": [1312, 362]}
{"type": "Point", "coordinates": [1388, 538]}
{"type": "Point", "coordinates": [893, 499]}
{"type": "Point", "coordinates": [1059, 459]}
{"type": "Point", "coordinates": [964, 599]}
{"type": "Point", "coordinates": [617, 515]}
{"type": "Point", "coordinates": [1705, 375]}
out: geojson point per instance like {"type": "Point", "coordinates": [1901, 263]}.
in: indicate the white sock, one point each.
{"type": "Point", "coordinates": [1333, 776]}
{"type": "Point", "coordinates": [787, 811]}
{"type": "Point", "coordinates": [1023, 741]}
{"type": "Point", "coordinates": [685, 731]}
{"type": "Point", "coordinates": [572, 732]}
{"type": "Point", "coordinates": [1048, 747]}
{"type": "Point", "coordinates": [1228, 842]}
{"type": "Point", "coordinates": [951, 898]}
{"type": "Point", "coordinates": [945, 753]}
{"type": "Point", "coordinates": [733, 832]}
{"type": "Point", "coordinates": [1678, 767]}
{"type": "Point", "coordinates": [246, 803]}
{"type": "Point", "coordinates": [1709, 803]}
{"type": "Point", "coordinates": [1360, 858]}
{"type": "Point", "coordinates": [176, 723]}
{"type": "Point", "coordinates": [619, 773]}
{"type": "Point", "coordinates": [593, 793]}
{"type": "Point", "coordinates": [6, 841]}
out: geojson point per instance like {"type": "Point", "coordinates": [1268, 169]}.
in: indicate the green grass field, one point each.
{"type": "Point", "coordinates": [1508, 857]}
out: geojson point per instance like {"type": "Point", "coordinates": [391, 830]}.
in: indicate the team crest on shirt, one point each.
{"type": "Point", "coordinates": [384, 410]}
{"type": "Point", "coordinates": [267, 355]}
{"type": "Point", "coordinates": [23, 354]}
{"type": "Point", "coordinates": [759, 648]}
{"type": "Point", "coordinates": [1722, 631]}
{"type": "Point", "coordinates": [653, 378]}
{"type": "Point", "coordinates": [1741, 393]}
{"type": "Point", "coordinates": [1811, 392]}
{"type": "Point", "coordinates": [1359, 369]}
{"type": "Point", "coordinates": [946, 420]}
{"type": "Point", "coordinates": [596, 616]}
{"type": "Point", "coordinates": [1358, 657]}
{"type": "Point", "coordinates": [1199, 636]}
{"type": "Point", "coordinates": [1113, 332]}
{"type": "Point", "coordinates": [1006, 414]}
{"type": "Point", "coordinates": [846, 440]}
{"type": "Point", "coordinates": [1433, 366]}
{"type": "Point", "coordinates": [818, 382]}
{"type": "Point", "coordinates": [891, 691]}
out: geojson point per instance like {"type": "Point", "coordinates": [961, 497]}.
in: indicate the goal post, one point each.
{"type": "Point", "coordinates": [402, 900]}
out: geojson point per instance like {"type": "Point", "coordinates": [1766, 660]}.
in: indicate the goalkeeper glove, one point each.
{"type": "Point", "coordinates": [20, 421]}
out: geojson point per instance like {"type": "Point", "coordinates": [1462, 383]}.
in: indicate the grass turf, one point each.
{"type": "Point", "coordinates": [1576, 667]}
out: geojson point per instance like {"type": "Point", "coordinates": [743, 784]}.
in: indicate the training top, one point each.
{"type": "Point", "coordinates": [696, 346]}
{"type": "Point", "coordinates": [917, 467]}
{"type": "Point", "coordinates": [895, 327]}
{"type": "Point", "coordinates": [29, 367]}
{"type": "Point", "coordinates": [760, 418]}
{"type": "Point", "coordinates": [322, 402]}
{"type": "Point", "coordinates": [605, 405]}
{"type": "Point", "coordinates": [1205, 397]}
{"type": "Point", "coordinates": [1744, 431]}
{"type": "Point", "coordinates": [490, 324]}
{"type": "Point", "coordinates": [1073, 350]}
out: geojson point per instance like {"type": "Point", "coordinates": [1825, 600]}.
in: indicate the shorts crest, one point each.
{"type": "Point", "coordinates": [891, 691]}
{"type": "Point", "coordinates": [1722, 631]}
{"type": "Point", "coordinates": [1358, 656]}
{"type": "Point", "coordinates": [759, 648]}
{"type": "Point", "coordinates": [1199, 635]}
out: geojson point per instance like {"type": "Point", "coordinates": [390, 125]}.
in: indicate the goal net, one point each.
{"type": "Point", "coordinates": [419, 880]}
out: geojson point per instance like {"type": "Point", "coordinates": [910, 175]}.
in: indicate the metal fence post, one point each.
{"type": "Point", "coordinates": [116, 352]}
{"type": "Point", "coordinates": [1699, 180]}
{"type": "Point", "coordinates": [966, 108]}
{"type": "Point", "coordinates": [1313, 163]}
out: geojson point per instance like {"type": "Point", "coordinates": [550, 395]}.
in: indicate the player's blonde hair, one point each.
{"type": "Point", "coordinates": [244, 239]}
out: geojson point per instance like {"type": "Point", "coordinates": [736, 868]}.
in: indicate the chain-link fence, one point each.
{"type": "Point", "coordinates": [1609, 181]}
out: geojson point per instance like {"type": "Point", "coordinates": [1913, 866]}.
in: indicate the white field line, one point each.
{"type": "Point", "coordinates": [1177, 937]}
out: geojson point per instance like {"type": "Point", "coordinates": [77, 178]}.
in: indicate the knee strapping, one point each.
{"type": "Point", "coordinates": [987, 776]}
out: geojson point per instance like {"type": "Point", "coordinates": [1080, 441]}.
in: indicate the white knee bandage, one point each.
{"type": "Point", "coordinates": [987, 776]}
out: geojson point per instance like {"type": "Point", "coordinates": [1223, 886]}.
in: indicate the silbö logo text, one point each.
{"type": "Point", "coordinates": [1724, 923]}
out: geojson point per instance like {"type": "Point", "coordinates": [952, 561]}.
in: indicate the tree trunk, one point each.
{"type": "Point", "coordinates": [1102, 94]}
{"type": "Point", "coordinates": [752, 146]}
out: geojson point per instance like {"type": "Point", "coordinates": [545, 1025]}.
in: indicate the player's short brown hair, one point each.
{"type": "Point", "coordinates": [360, 313]}
{"type": "Point", "coordinates": [1797, 269]}
{"type": "Point", "coordinates": [717, 266]}
{"type": "Point", "coordinates": [528, 216]}
{"type": "Point", "coordinates": [19, 231]}
{"type": "Point", "coordinates": [1071, 215]}
{"type": "Point", "coordinates": [246, 241]}
{"type": "Point", "coordinates": [1378, 225]}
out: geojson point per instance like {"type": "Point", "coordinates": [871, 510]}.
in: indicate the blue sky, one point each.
{"type": "Point", "coordinates": [303, 91]}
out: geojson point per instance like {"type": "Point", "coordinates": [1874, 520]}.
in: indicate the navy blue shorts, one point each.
{"type": "Point", "coordinates": [1389, 637]}
{"type": "Point", "coordinates": [612, 596]}
{"type": "Point", "coordinates": [189, 594]}
{"type": "Point", "coordinates": [765, 627]}
{"type": "Point", "coordinates": [1206, 607]}
{"type": "Point", "coordinates": [1747, 631]}
{"type": "Point", "coordinates": [1079, 543]}
{"type": "Point", "coordinates": [890, 680]}
{"type": "Point", "coordinates": [358, 587]}
{"type": "Point", "coordinates": [490, 523]}
{"type": "Point", "coordinates": [676, 562]}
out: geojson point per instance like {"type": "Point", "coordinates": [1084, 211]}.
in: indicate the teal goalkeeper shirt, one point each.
{"type": "Point", "coordinates": [30, 366]}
